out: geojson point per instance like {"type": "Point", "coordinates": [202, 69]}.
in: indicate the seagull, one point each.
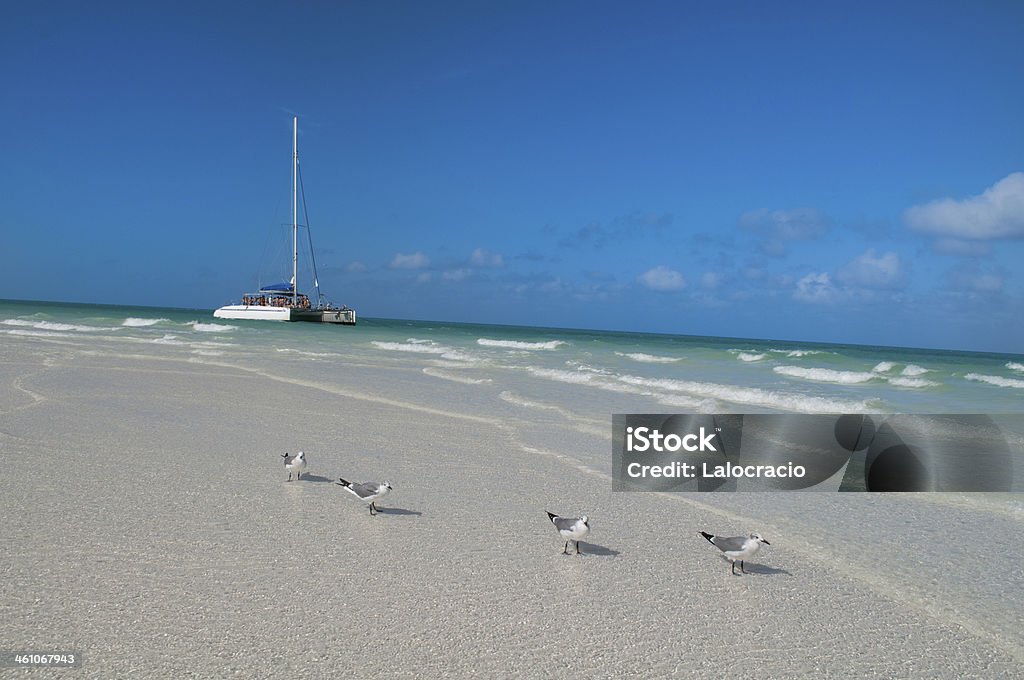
{"type": "Point", "coordinates": [367, 492]}
{"type": "Point", "coordinates": [570, 529]}
{"type": "Point", "coordinates": [736, 547]}
{"type": "Point", "coordinates": [296, 464]}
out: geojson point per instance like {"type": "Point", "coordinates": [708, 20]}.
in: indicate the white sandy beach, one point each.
{"type": "Point", "coordinates": [148, 526]}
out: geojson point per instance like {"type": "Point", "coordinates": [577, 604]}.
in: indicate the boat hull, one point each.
{"type": "Point", "coordinates": [345, 317]}
{"type": "Point", "coordinates": [255, 312]}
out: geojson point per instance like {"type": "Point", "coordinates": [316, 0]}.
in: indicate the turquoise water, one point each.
{"type": "Point", "coordinates": [575, 369]}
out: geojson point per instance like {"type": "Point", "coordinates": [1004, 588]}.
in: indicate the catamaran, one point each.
{"type": "Point", "coordinates": [283, 301]}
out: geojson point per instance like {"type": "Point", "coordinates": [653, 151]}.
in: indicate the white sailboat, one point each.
{"type": "Point", "coordinates": [283, 301]}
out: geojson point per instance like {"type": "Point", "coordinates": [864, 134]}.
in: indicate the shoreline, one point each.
{"type": "Point", "coordinates": [155, 533]}
{"type": "Point", "coordinates": [207, 313]}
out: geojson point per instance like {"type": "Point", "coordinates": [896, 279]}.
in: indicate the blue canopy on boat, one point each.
{"type": "Point", "coordinates": [277, 288]}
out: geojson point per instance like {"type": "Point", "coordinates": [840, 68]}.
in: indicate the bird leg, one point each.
{"type": "Point", "coordinates": [565, 551]}
{"type": "Point", "coordinates": [578, 548]}
{"type": "Point", "coordinates": [734, 568]}
{"type": "Point", "coordinates": [372, 510]}
{"type": "Point", "coordinates": [742, 570]}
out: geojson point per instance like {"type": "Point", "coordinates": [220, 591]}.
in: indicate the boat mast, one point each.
{"type": "Point", "coordinates": [295, 217]}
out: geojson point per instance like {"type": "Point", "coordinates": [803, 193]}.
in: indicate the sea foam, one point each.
{"type": "Point", "coordinates": [648, 358]}
{"type": "Point", "coordinates": [517, 344]}
{"type": "Point", "coordinates": [996, 380]}
{"type": "Point", "coordinates": [136, 322]}
{"type": "Point", "coordinates": [747, 356]}
{"type": "Point", "coordinates": [797, 353]}
{"type": "Point", "coordinates": [701, 395]}
{"type": "Point", "coordinates": [911, 382]}
{"type": "Point", "coordinates": [753, 396]}
{"type": "Point", "coordinates": [826, 375]}
{"type": "Point", "coordinates": [52, 326]}
{"type": "Point", "coordinates": [211, 327]}
{"type": "Point", "coordinates": [37, 334]}
{"type": "Point", "coordinates": [416, 346]}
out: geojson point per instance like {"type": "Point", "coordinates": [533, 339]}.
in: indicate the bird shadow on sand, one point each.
{"type": "Point", "coordinates": [314, 478]}
{"type": "Point", "coordinates": [765, 570]}
{"type": "Point", "coordinates": [598, 550]}
{"type": "Point", "coordinates": [398, 511]}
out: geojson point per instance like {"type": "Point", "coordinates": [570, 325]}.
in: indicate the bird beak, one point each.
{"type": "Point", "coordinates": [765, 542]}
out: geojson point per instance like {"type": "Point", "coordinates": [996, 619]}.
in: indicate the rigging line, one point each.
{"type": "Point", "coordinates": [309, 236]}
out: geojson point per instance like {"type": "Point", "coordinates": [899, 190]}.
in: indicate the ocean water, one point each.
{"type": "Point", "coordinates": [588, 372]}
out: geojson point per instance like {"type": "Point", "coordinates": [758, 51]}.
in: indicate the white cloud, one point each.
{"type": "Point", "coordinates": [987, 283]}
{"type": "Point", "coordinates": [416, 260]}
{"type": "Point", "coordinates": [870, 271]}
{"type": "Point", "coordinates": [970, 277]}
{"type": "Point", "coordinates": [355, 267]}
{"type": "Point", "coordinates": [424, 277]}
{"type": "Point", "coordinates": [816, 288]}
{"type": "Point", "coordinates": [753, 273]}
{"type": "Point", "coordinates": [796, 224]}
{"type": "Point", "coordinates": [482, 258]}
{"type": "Point", "coordinates": [998, 212]}
{"type": "Point", "coordinates": [955, 246]}
{"type": "Point", "coordinates": [711, 280]}
{"type": "Point", "coordinates": [455, 274]}
{"type": "Point", "coordinates": [662, 278]}
{"type": "Point", "coordinates": [779, 227]}
{"type": "Point", "coordinates": [554, 286]}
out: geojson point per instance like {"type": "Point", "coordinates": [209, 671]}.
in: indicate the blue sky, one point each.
{"type": "Point", "coordinates": [845, 172]}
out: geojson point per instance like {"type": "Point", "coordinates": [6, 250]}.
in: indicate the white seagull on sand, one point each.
{"type": "Point", "coordinates": [736, 547]}
{"type": "Point", "coordinates": [571, 529]}
{"type": "Point", "coordinates": [296, 464]}
{"type": "Point", "coordinates": [367, 492]}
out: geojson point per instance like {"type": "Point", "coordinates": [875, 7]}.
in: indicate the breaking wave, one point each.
{"type": "Point", "coordinates": [753, 396]}
{"type": "Point", "coordinates": [912, 382]}
{"type": "Point", "coordinates": [996, 380]}
{"type": "Point", "coordinates": [797, 353]}
{"type": "Point", "coordinates": [137, 322]}
{"type": "Point", "coordinates": [648, 358]}
{"type": "Point", "coordinates": [701, 395]}
{"type": "Point", "coordinates": [52, 326]}
{"type": "Point", "coordinates": [211, 327]}
{"type": "Point", "coordinates": [517, 344]}
{"type": "Point", "coordinates": [416, 346]}
{"type": "Point", "coordinates": [826, 375]}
